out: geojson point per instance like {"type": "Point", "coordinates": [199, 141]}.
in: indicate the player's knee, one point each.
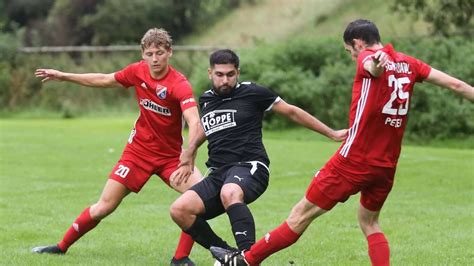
{"type": "Point", "coordinates": [178, 210]}
{"type": "Point", "coordinates": [369, 226]}
{"type": "Point", "coordinates": [101, 209]}
{"type": "Point", "coordinates": [298, 217]}
{"type": "Point", "coordinates": [303, 213]}
{"type": "Point", "coordinates": [231, 195]}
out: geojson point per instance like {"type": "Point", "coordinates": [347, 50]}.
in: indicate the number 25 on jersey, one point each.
{"type": "Point", "coordinates": [397, 85]}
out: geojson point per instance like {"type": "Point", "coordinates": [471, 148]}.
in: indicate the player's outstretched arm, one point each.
{"type": "Point", "coordinates": [444, 80]}
{"type": "Point", "coordinates": [303, 118]}
{"type": "Point", "coordinates": [88, 79]}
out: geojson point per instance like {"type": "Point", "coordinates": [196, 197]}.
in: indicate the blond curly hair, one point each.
{"type": "Point", "coordinates": [157, 37]}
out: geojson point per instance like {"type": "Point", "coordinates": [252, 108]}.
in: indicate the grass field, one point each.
{"type": "Point", "coordinates": [279, 20]}
{"type": "Point", "coordinates": [52, 169]}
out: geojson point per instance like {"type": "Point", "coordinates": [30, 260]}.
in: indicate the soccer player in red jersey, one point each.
{"type": "Point", "coordinates": [367, 159]}
{"type": "Point", "coordinates": [164, 96]}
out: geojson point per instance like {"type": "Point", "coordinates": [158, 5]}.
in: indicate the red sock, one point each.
{"type": "Point", "coordinates": [83, 224]}
{"type": "Point", "coordinates": [379, 251]}
{"type": "Point", "coordinates": [280, 238]}
{"type": "Point", "coordinates": [185, 245]}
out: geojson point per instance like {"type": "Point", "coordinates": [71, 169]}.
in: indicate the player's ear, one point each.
{"type": "Point", "coordinates": [358, 44]}
{"type": "Point", "coordinates": [209, 73]}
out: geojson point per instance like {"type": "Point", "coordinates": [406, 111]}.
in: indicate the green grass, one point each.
{"type": "Point", "coordinates": [51, 169]}
{"type": "Point", "coordinates": [267, 21]}
{"type": "Point", "coordinates": [390, 23]}
{"type": "Point", "coordinates": [272, 21]}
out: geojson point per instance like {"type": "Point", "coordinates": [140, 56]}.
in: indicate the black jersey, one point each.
{"type": "Point", "coordinates": [233, 124]}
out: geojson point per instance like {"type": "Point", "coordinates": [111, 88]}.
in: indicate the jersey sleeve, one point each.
{"type": "Point", "coordinates": [363, 57]}
{"type": "Point", "coordinates": [184, 94]}
{"type": "Point", "coordinates": [126, 76]}
{"type": "Point", "coordinates": [423, 70]}
{"type": "Point", "coordinates": [264, 98]}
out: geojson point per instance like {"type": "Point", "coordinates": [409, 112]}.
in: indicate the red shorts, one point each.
{"type": "Point", "coordinates": [135, 168]}
{"type": "Point", "coordinates": [340, 178]}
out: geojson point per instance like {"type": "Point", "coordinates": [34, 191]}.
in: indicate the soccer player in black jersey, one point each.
{"type": "Point", "coordinates": [231, 118]}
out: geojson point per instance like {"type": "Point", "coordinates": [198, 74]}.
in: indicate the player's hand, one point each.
{"type": "Point", "coordinates": [380, 59]}
{"type": "Point", "coordinates": [185, 168]}
{"type": "Point", "coordinates": [187, 157]}
{"type": "Point", "coordinates": [181, 175]}
{"type": "Point", "coordinates": [48, 74]}
{"type": "Point", "coordinates": [339, 135]}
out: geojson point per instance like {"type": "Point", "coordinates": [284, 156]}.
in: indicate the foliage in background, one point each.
{"type": "Point", "coordinates": [436, 111]}
{"type": "Point", "coordinates": [24, 92]}
{"type": "Point", "coordinates": [311, 72]}
{"type": "Point", "coordinates": [86, 22]}
{"type": "Point", "coordinates": [445, 16]}
{"type": "Point", "coordinates": [316, 74]}
{"type": "Point", "coordinates": [99, 22]}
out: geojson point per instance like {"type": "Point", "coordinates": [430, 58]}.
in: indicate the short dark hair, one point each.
{"type": "Point", "coordinates": [361, 29]}
{"type": "Point", "coordinates": [224, 56]}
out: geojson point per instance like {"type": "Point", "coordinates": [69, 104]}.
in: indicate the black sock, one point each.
{"type": "Point", "coordinates": [243, 225]}
{"type": "Point", "coordinates": [202, 233]}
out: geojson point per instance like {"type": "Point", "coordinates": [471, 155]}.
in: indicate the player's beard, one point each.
{"type": "Point", "coordinates": [224, 90]}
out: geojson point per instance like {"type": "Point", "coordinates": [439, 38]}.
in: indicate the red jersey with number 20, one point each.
{"type": "Point", "coordinates": [379, 108]}
{"type": "Point", "coordinates": [162, 102]}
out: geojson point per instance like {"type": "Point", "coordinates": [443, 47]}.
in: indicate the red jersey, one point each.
{"type": "Point", "coordinates": [379, 108]}
{"type": "Point", "coordinates": [162, 102]}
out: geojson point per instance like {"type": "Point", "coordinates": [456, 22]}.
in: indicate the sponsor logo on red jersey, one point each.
{"type": "Point", "coordinates": [190, 100]}
{"type": "Point", "coordinates": [154, 107]}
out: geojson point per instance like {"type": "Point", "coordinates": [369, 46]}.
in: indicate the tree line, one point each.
{"type": "Point", "coordinates": [102, 22]}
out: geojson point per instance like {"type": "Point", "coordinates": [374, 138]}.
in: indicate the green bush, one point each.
{"type": "Point", "coordinates": [436, 112]}
{"type": "Point", "coordinates": [8, 46]}
{"type": "Point", "coordinates": [311, 73]}
{"type": "Point", "coordinates": [27, 94]}
{"type": "Point", "coordinates": [314, 74]}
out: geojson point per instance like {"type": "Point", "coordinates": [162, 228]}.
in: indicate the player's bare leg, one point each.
{"type": "Point", "coordinates": [185, 243]}
{"type": "Point", "coordinates": [368, 221]}
{"type": "Point", "coordinates": [379, 251]}
{"type": "Point", "coordinates": [186, 208]}
{"type": "Point", "coordinates": [194, 178]}
{"type": "Point", "coordinates": [186, 211]}
{"type": "Point", "coordinates": [301, 216]}
{"type": "Point", "coordinates": [111, 197]}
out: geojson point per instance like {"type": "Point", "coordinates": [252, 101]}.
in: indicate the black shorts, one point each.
{"type": "Point", "coordinates": [252, 177]}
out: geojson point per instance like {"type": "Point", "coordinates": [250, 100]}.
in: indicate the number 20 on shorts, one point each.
{"type": "Point", "coordinates": [122, 171]}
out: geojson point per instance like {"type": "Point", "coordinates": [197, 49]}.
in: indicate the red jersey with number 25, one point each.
{"type": "Point", "coordinates": [162, 102]}
{"type": "Point", "coordinates": [379, 108]}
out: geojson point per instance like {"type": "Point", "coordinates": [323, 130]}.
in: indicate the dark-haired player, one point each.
{"type": "Point", "coordinates": [231, 116]}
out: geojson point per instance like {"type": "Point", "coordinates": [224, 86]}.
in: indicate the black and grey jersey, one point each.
{"type": "Point", "coordinates": [233, 124]}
